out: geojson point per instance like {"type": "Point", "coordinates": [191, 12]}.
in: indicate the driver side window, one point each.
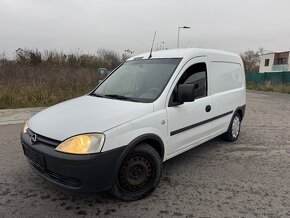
{"type": "Point", "coordinates": [196, 75]}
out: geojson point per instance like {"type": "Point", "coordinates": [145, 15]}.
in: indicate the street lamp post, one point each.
{"type": "Point", "coordinates": [181, 27]}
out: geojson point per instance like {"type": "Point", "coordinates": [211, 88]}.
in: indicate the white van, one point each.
{"type": "Point", "coordinates": [148, 110]}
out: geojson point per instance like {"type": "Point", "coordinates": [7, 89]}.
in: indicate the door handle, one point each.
{"type": "Point", "coordinates": [207, 108]}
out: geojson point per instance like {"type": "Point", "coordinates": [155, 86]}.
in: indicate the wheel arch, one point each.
{"type": "Point", "coordinates": [241, 111]}
{"type": "Point", "coordinates": [154, 140]}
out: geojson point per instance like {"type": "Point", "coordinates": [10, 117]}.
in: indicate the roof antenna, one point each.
{"type": "Point", "coordinates": [150, 55]}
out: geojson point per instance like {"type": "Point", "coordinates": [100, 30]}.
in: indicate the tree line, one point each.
{"type": "Point", "coordinates": [102, 58]}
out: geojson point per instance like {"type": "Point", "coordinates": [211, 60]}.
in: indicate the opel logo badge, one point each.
{"type": "Point", "coordinates": [33, 138]}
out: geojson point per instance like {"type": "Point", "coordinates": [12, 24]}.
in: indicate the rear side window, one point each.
{"type": "Point", "coordinates": [196, 75]}
{"type": "Point", "coordinates": [226, 76]}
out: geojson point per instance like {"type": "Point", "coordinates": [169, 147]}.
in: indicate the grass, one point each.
{"type": "Point", "coordinates": [35, 79]}
{"type": "Point", "coordinates": [34, 86]}
{"type": "Point", "coordinates": [270, 87]}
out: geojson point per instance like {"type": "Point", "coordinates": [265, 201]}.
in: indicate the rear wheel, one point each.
{"type": "Point", "coordinates": [139, 174]}
{"type": "Point", "coordinates": [234, 129]}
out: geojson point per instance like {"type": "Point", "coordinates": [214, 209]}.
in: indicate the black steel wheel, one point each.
{"type": "Point", "coordinates": [139, 174]}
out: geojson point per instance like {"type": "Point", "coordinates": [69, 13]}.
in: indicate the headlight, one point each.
{"type": "Point", "coordinates": [25, 128]}
{"type": "Point", "coordinates": [82, 144]}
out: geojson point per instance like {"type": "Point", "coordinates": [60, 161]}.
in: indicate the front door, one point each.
{"type": "Point", "coordinates": [188, 123]}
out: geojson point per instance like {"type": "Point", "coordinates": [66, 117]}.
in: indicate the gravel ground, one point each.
{"type": "Point", "coordinates": [247, 178]}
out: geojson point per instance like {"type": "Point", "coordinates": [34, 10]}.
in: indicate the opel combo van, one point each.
{"type": "Point", "coordinates": [148, 110]}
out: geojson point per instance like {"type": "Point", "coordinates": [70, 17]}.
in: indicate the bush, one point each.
{"type": "Point", "coordinates": [42, 79]}
{"type": "Point", "coordinates": [43, 86]}
{"type": "Point", "coordinates": [270, 86]}
{"type": "Point", "coordinates": [24, 56]}
{"type": "Point", "coordinates": [104, 58]}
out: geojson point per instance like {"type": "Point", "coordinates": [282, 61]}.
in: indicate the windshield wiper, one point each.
{"type": "Point", "coordinates": [120, 97]}
{"type": "Point", "coordinates": [97, 95]}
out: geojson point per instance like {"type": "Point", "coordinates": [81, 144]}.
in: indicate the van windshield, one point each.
{"type": "Point", "coordinates": [138, 80]}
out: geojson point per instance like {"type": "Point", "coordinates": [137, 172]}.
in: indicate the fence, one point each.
{"type": "Point", "coordinates": [275, 77]}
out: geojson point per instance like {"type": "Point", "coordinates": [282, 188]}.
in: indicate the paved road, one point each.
{"type": "Point", "coordinates": [248, 178]}
{"type": "Point", "coordinates": [16, 116]}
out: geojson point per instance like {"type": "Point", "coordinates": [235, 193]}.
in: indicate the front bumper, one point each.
{"type": "Point", "coordinates": [81, 173]}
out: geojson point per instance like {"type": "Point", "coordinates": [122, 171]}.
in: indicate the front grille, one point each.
{"type": "Point", "coordinates": [43, 139]}
{"type": "Point", "coordinates": [34, 156]}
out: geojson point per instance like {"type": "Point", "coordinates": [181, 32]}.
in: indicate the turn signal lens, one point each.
{"type": "Point", "coordinates": [25, 128]}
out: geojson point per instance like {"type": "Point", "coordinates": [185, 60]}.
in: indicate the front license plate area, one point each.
{"type": "Point", "coordinates": [35, 158]}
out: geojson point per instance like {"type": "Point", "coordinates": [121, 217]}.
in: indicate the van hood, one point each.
{"type": "Point", "coordinates": [86, 114]}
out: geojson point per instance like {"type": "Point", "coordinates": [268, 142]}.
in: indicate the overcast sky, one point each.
{"type": "Point", "coordinates": [66, 25]}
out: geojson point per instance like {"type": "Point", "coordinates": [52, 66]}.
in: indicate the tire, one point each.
{"type": "Point", "coordinates": [139, 174]}
{"type": "Point", "coordinates": [234, 129]}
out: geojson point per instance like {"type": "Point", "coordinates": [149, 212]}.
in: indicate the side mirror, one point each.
{"type": "Point", "coordinates": [185, 93]}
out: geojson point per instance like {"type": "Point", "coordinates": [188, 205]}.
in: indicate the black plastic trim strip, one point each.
{"type": "Point", "coordinates": [200, 123]}
{"type": "Point", "coordinates": [45, 140]}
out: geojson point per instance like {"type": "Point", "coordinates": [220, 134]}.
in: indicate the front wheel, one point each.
{"type": "Point", "coordinates": [234, 129]}
{"type": "Point", "coordinates": [139, 174]}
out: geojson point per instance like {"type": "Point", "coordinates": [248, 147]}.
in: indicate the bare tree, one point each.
{"type": "Point", "coordinates": [160, 46]}
{"type": "Point", "coordinates": [127, 54]}
{"type": "Point", "coordinates": [3, 58]}
{"type": "Point", "coordinates": [111, 58]}
{"type": "Point", "coordinates": [251, 60]}
{"type": "Point", "coordinates": [263, 50]}
{"type": "Point", "coordinates": [28, 56]}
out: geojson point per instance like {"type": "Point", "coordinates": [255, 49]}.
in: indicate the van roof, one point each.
{"type": "Point", "coordinates": [180, 53]}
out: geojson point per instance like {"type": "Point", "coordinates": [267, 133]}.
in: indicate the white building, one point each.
{"type": "Point", "coordinates": [275, 62]}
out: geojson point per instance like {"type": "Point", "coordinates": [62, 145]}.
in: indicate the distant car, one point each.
{"type": "Point", "coordinates": [145, 112]}
{"type": "Point", "coordinates": [102, 71]}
